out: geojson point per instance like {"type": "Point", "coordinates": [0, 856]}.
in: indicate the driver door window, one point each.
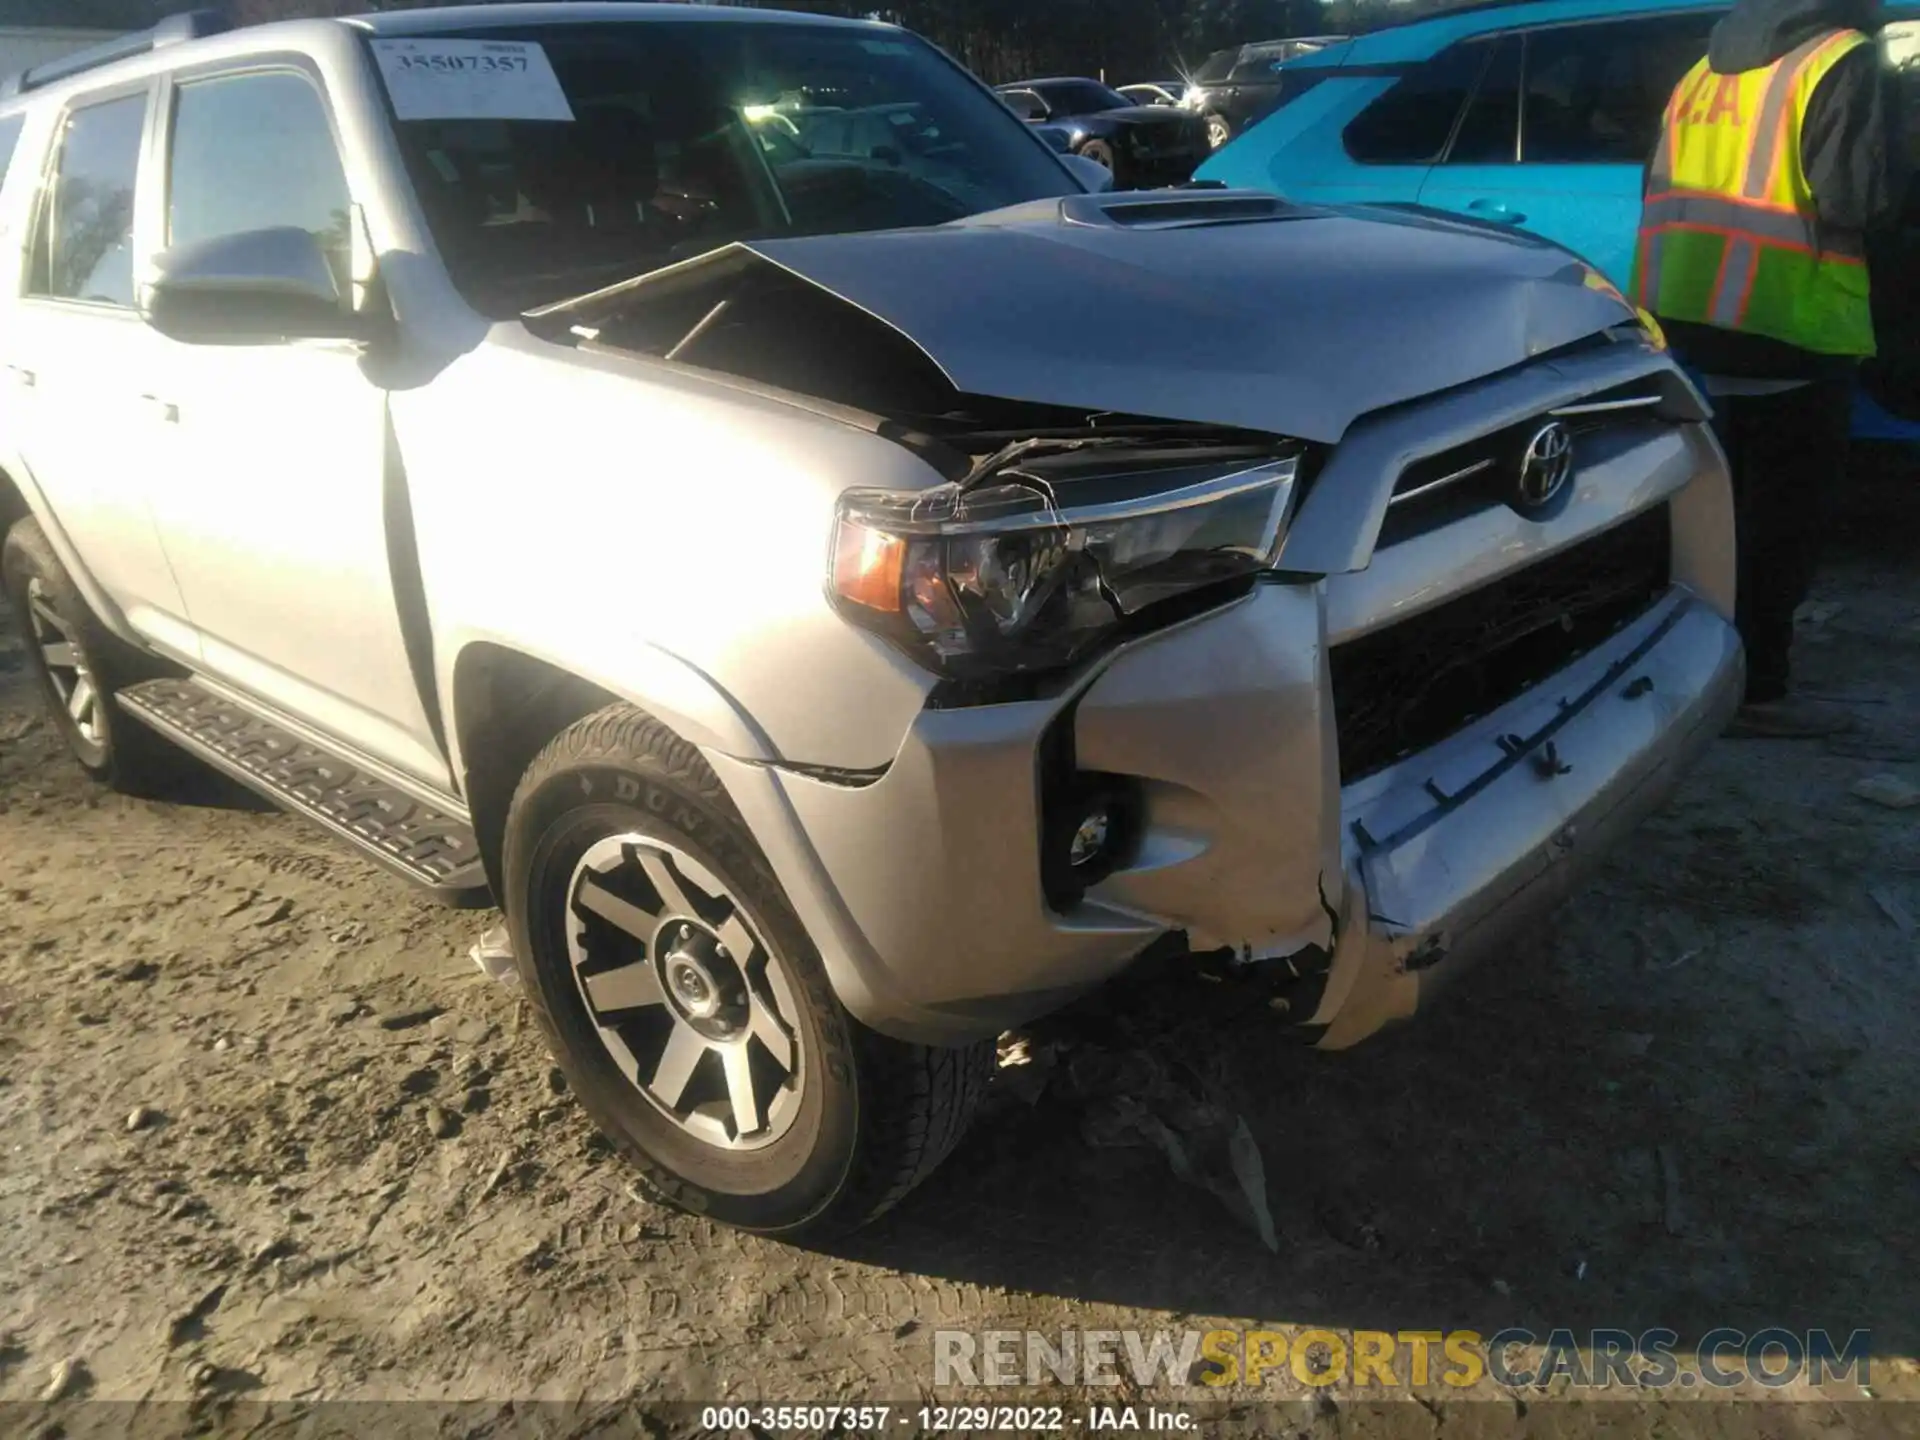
{"type": "Point", "coordinates": [1595, 93]}
{"type": "Point", "coordinates": [256, 152]}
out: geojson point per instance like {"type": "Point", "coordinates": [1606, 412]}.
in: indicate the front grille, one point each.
{"type": "Point", "coordinates": [1402, 689]}
{"type": "Point", "coordinates": [1485, 467]}
{"type": "Point", "coordinates": [1151, 172]}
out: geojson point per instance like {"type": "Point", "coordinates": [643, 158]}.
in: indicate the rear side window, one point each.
{"type": "Point", "coordinates": [82, 246]}
{"type": "Point", "coordinates": [256, 152]}
{"type": "Point", "coordinates": [1258, 62]}
{"type": "Point", "coordinates": [1489, 133]}
{"type": "Point", "coordinates": [1412, 122]}
{"type": "Point", "coordinates": [1595, 93]}
{"type": "Point", "coordinates": [9, 140]}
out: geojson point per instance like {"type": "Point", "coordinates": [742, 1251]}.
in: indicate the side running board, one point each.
{"type": "Point", "coordinates": [413, 839]}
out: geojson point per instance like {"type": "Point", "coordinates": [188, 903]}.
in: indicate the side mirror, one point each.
{"type": "Point", "coordinates": [1097, 178]}
{"type": "Point", "coordinates": [250, 288]}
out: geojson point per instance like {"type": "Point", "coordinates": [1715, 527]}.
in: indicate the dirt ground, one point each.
{"type": "Point", "coordinates": [355, 1174]}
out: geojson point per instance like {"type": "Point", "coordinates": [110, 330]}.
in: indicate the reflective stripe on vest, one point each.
{"type": "Point", "coordinates": [1730, 234]}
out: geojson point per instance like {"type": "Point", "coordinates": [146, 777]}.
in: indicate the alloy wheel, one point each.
{"type": "Point", "coordinates": [690, 1002]}
{"type": "Point", "coordinates": [73, 683]}
{"type": "Point", "coordinates": [1217, 132]}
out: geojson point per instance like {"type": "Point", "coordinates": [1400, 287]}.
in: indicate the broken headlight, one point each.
{"type": "Point", "coordinates": [1020, 573]}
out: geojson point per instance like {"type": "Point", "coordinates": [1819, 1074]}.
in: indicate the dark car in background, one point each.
{"type": "Point", "coordinates": [1144, 145]}
{"type": "Point", "coordinates": [1155, 92]}
{"type": "Point", "coordinates": [864, 158]}
{"type": "Point", "coordinates": [1235, 88]}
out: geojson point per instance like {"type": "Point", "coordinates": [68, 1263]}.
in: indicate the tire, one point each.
{"type": "Point", "coordinates": [1098, 151]}
{"type": "Point", "coordinates": [1219, 132]}
{"type": "Point", "coordinates": [58, 626]}
{"type": "Point", "coordinates": [632, 887]}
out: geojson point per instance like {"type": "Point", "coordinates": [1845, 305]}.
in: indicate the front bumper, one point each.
{"type": "Point", "coordinates": [922, 889]}
{"type": "Point", "coordinates": [1154, 168]}
{"type": "Point", "coordinates": [1462, 846]}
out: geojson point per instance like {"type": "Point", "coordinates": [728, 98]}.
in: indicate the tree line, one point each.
{"type": "Point", "coordinates": [1000, 40]}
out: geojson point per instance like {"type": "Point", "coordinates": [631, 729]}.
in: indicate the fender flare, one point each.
{"type": "Point", "coordinates": [675, 692]}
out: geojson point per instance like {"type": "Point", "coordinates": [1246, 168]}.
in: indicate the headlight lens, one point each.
{"type": "Point", "coordinates": [1017, 575]}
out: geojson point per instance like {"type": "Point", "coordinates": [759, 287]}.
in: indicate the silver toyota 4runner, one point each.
{"type": "Point", "coordinates": [715, 484]}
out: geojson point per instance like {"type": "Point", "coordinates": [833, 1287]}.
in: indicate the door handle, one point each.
{"type": "Point", "coordinates": [22, 376]}
{"type": "Point", "coordinates": [162, 410]}
{"type": "Point", "coordinates": [1496, 211]}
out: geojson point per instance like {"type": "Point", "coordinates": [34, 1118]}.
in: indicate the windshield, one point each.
{"type": "Point", "coordinates": [687, 136]}
{"type": "Point", "coordinates": [1081, 97]}
{"type": "Point", "coordinates": [1217, 67]}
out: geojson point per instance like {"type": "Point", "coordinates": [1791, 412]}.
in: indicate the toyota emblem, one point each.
{"type": "Point", "coordinates": [1545, 468]}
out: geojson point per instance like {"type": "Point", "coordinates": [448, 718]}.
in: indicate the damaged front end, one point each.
{"type": "Point", "coordinates": [1054, 533]}
{"type": "Point", "coordinates": [1148, 578]}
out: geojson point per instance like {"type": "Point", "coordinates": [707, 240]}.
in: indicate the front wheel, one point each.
{"type": "Point", "coordinates": [689, 1009]}
{"type": "Point", "coordinates": [1219, 132]}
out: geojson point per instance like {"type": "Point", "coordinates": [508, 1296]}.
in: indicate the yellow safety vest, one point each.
{"type": "Point", "coordinates": [1730, 235]}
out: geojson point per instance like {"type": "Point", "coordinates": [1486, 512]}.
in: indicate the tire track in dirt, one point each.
{"type": "Point", "coordinates": [288, 1014]}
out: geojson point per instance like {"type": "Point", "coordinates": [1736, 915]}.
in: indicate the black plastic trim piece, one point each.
{"type": "Point", "coordinates": [409, 590]}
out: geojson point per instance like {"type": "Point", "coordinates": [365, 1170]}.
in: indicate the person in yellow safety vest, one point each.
{"type": "Point", "coordinates": [1780, 155]}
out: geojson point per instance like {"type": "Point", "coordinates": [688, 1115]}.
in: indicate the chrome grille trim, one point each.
{"type": "Point", "coordinates": [1609, 407]}
{"type": "Point", "coordinates": [1339, 519]}
{"type": "Point", "coordinates": [1433, 486]}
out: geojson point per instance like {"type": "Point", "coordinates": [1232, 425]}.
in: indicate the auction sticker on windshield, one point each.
{"type": "Point", "coordinates": [470, 80]}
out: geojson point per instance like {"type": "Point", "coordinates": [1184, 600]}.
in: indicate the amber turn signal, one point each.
{"type": "Point", "coordinates": [867, 567]}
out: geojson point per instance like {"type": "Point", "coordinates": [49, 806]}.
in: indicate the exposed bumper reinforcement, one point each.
{"type": "Point", "coordinates": [923, 888]}
{"type": "Point", "coordinates": [1453, 851]}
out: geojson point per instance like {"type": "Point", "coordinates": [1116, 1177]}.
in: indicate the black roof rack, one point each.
{"type": "Point", "coordinates": [173, 30]}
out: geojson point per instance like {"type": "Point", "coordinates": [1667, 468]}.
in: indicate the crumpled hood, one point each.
{"type": "Point", "coordinates": [1219, 307]}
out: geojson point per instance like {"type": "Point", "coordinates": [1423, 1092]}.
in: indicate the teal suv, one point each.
{"type": "Point", "coordinates": [1540, 117]}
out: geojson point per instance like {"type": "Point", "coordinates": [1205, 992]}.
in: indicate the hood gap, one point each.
{"type": "Point", "coordinates": [781, 335]}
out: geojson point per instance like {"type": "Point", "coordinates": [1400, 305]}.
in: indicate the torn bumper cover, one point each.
{"type": "Point", "coordinates": [924, 888]}
{"type": "Point", "coordinates": [1462, 847]}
